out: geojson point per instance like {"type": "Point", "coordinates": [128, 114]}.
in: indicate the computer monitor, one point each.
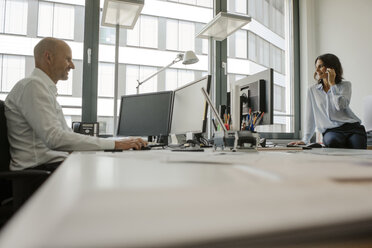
{"type": "Point", "coordinates": [145, 114]}
{"type": "Point", "coordinates": [253, 92]}
{"type": "Point", "coordinates": [190, 108]}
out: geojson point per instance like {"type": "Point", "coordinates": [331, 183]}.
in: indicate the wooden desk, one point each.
{"type": "Point", "coordinates": [167, 199]}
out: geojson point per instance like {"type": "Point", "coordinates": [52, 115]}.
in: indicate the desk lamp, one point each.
{"type": "Point", "coordinates": [189, 57]}
{"type": "Point", "coordinates": [120, 14]}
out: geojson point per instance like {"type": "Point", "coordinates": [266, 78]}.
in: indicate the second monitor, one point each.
{"type": "Point", "coordinates": [190, 107]}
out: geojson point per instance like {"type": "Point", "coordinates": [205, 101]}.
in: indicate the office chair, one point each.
{"type": "Point", "coordinates": [15, 186]}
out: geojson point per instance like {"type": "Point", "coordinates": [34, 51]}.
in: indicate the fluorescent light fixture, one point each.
{"type": "Point", "coordinates": [121, 12]}
{"type": "Point", "coordinates": [223, 25]}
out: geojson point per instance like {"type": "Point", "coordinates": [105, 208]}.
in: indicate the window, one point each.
{"type": "Point", "coordinates": [145, 32]}
{"type": "Point", "coordinates": [65, 87]}
{"type": "Point", "coordinates": [181, 35]}
{"type": "Point", "coordinates": [203, 3]}
{"type": "Point", "coordinates": [279, 99]}
{"type": "Point", "coordinates": [56, 20]}
{"type": "Point", "coordinates": [193, 2]}
{"type": "Point", "coordinates": [12, 70]}
{"type": "Point", "coordinates": [241, 44]}
{"type": "Point", "coordinates": [171, 79]}
{"type": "Point", "coordinates": [252, 46]}
{"type": "Point", "coordinates": [264, 46]}
{"type": "Point", "coordinates": [106, 79]}
{"type": "Point", "coordinates": [241, 6]}
{"type": "Point", "coordinates": [32, 18]}
{"type": "Point", "coordinates": [172, 34]}
{"type": "Point", "coordinates": [176, 78]}
{"type": "Point", "coordinates": [13, 16]}
{"type": "Point", "coordinates": [135, 72]}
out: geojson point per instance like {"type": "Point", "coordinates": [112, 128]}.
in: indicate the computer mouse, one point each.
{"type": "Point", "coordinates": [314, 145]}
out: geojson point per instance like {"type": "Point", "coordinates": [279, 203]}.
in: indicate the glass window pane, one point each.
{"type": "Point", "coordinates": [241, 44]}
{"type": "Point", "coordinates": [266, 13]}
{"type": "Point", "coordinates": [260, 50]}
{"type": "Point", "coordinates": [186, 36]}
{"type": "Point", "coordinates": [149, 31]}
{"type": "Point", "coordinates": [266, 54]}
{"type": "Point", "coordinates": [106, 34]}
{"type": "Point", "coordinates": [171, 79]}
{"type": "Point", "coordinates": [132, 75]}
{"type": "Point", "coordinates": [150, 85]}
{"type": "Point", "coordinates": [45, 19]}
{"type": "Point", "coordinates": [252, 8]}
{"type": "Point", "coordinates": [259, 10]}
{"type": "Point", "coordinates": [241, 6]}
{"type": "Point", "coordinates": [13, 70]}
{"type": "Point", "coordinates": [2, 15]}
{"type": "Point", "coordinates": [188, 1]}
{"type": "Point", "coordinates": [172, 34]}
{"type": "Point", "coordinates": [205, 46]}
{"type": "Point", "coordinates": [16, 17]}
{"type": "Point", "coordinates": [252, 46]}
{"type": "Point", "coordinates": [133, 34]}
{"type": "Point", "coordinates": [65, 87]}
{"type": "Point", "coordinates": [106, 79]}
{"type": "Point", "coordinates": [64, 19]}
{"type": "Point", "coordinates": [205, 3]}
{"type": "Point", "coordinates": [185, 77]}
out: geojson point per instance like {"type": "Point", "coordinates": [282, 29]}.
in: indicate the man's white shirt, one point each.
{"type": "Point", "coordinates": [37, 130]}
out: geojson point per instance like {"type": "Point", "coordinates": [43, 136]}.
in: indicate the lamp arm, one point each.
{"type": "Point", "coordinates": [177, 59]}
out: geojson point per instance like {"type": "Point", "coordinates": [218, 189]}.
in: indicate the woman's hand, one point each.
{"type": "Point", "coordinates": [296, 143]}
{"type": "Point", "coordinates": [331, 76]}
{"type": "Point", "coordinates": [126, 144]}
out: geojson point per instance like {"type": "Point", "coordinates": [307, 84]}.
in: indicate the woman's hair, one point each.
{"type": "Point", "coordinates": [330, 61]}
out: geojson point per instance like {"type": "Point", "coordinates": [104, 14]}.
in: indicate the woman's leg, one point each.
{"type": "Point", "coordinates": [357, 141]}
{"type": "Point", "coordinates": [334, 140]}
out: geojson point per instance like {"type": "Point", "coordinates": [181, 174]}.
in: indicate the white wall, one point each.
{"type": "Point", "coordinates": [341, 27]}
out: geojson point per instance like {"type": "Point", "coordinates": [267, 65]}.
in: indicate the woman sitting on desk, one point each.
{"type": "Point", "coordinates": [328, 108]}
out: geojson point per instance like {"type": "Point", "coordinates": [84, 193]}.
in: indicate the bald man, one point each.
{"type": "Point", "coordinates": [37, 131]}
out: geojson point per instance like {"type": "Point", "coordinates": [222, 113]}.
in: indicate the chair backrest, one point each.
{"type": "Point", "coordinates": [4, 143]}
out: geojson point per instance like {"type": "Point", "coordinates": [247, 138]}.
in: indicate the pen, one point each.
{"type": "Point", "coordinates": [259, 119]}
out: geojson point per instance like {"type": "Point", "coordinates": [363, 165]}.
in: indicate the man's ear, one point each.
{"type": "Point", "coordinates": [48, 57]}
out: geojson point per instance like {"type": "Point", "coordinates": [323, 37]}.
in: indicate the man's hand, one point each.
{"type": "Point", "coordinates": [126, 144]}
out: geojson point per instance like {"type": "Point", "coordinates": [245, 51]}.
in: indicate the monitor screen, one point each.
{"type": "Point", "coordinates": [190, 107]}
{"type": "Point", "coordinates": [145, 114]}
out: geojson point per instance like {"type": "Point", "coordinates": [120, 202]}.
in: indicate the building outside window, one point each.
{"type": "Point", "coordinates": [13, 16]}
{"type": "Point", "coordinates": [56, 20]}
{"type": "Point", "coordinates": [176, 78]}
{"type": "Point", "coordinates": [180, 35]}
{"type": "Point", "coordinates": [262, 44]}
{"type": "Point", "coordinates": [144, 33]}
{"type": "Point", "coordinates": [21, 29]}
{"type": "Point", "coordinates": [12, 70]}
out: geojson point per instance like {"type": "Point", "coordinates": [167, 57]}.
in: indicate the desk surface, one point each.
{"type": "Point", "coordinates": [162, 198]}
